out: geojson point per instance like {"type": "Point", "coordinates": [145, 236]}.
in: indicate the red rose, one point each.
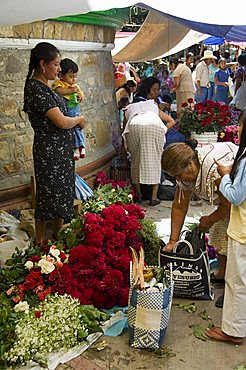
{"type": "Point", "coordinates": [62, 256]}
{"type": "Point", "coordinates": [33, 280]}
{"type": "Point", "coordinates": [184, 104]}
{"type": "Point", "coordinates": [190, 100]}
{"type": "Point", "coordinates": [34, 259]}
{"type": "Point", "coordinates": [44, 294]}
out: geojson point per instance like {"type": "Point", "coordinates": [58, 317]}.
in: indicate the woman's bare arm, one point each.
{"type": "Point", "coordinates": [166, 118]}
{"type": "Point", "coordinates": [178, 213]}
{"type": "Point", "coordinates": [64, 122]}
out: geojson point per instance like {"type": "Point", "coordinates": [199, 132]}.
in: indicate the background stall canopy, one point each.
{"type": "Point", "coordinates": [157, 35]}
{"type": "Point", "coordinates": [168, 28]}
{"type": "Point", "coordinates": [194, 15]}
{"type": "Point", "coordinates": [25, 11]}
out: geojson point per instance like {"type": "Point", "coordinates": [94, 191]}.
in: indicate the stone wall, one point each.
{"type": "Point", "coordinates": [59, 31]}
{"type": "Point", "coordinates": [95, 78]}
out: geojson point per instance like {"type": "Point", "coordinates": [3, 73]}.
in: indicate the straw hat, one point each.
{"type": "Point", "coordinates": [208, 54]}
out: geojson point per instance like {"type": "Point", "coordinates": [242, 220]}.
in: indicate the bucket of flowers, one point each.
{"type": "Point", "coordinates": [205, 119]}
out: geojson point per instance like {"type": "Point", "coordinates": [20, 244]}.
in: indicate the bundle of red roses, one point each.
{"type": "Point", "coordinates": [208, 116]}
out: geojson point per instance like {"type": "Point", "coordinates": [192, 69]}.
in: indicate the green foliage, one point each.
{"type": "Point", "coordinates": [198, 331]}
{"type": "Point", "coordinates": [8, 320]}
{"type": "Point", "coordinates": [240, 367]}
{"type": "Point", "coordinates": [15, 272]}
{"type": "Point", "coordinates": [105, 195]}
{"type": "Point", "coordinates": [71, 235]}
{"type": "Point", "coordinates": [151, 240]}
{"type": "Point", "coordinates": [187, 307]}
{"type": "Point", "coordinates": [204, 315]}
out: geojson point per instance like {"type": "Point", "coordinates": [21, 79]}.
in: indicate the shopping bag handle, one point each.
{"type": "Point", "coordinates": [186, 242]}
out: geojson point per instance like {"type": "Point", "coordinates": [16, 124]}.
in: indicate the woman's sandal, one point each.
{"type": "Point", "coordinates": [217, 334]}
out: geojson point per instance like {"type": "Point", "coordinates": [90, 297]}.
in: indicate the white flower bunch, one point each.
{"type": "Point", "coordinates": [56, 324]}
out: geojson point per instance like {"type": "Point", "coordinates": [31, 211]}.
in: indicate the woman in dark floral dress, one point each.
{"type": "Point", "coordinates": [53, 143]}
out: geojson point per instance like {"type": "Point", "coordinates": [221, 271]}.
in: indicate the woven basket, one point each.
{"type": "Point", "coordinates": [120, 174]}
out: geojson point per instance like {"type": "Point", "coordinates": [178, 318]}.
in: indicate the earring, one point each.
{"type": "Point", "coordinates": [43, 71]}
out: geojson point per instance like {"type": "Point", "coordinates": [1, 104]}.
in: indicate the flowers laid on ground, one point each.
{"type": "Point", "coordinates": [208, 116]}
{"type": "Point", "coordinates": [93, 265]}
{"type": "Point", "coordinates": [59, 322]}
{"type": "Point", "coordinates": [89, 265]}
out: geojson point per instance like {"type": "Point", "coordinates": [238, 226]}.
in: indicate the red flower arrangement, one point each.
{"type": "Point", "coordinates": [229, 133]}
{"type": "Point", "coordinates": [208, 116]}
{"type": "Point", "coordinates": [97, 270]}
{"type": "Point", "coordinates": [102, 179]}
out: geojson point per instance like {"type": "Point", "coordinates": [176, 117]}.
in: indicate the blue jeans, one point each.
{"type": "Point", "coordinates": [78, 137]}
{"type": "Point", "coordinates": [211, 91]}
{"type": "Point", "coordinates": [203, 97]}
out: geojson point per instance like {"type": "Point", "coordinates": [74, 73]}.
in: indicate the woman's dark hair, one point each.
{"type": "Point", "coordinates": [127, 86]}
{"type": "Point", "coordinates": [146, 85]}
{"type": "Point", "coordinates": [241, 153]}
{"type": "Point", "coordinates": [189, 55]}
{"type": "Point", "coordinates": [167, 98]}
{"type": "Point", "coordinates": [42, 51]}
{"type": "Point", "coordinates": [175, 61]}
{"type": "Point", "coordinates": [222, 59]}
{"type": "Point", "coordinates": [242, 59]}
{"type": "Point", "coordinates": [217, 55]}
{"type": "Point", "coordinates": [68, 65]}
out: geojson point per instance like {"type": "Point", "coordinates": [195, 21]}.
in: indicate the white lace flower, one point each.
{"type": "Point", "coordinates": [59, 327]}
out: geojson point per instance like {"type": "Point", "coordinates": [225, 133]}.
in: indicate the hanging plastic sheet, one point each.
{"type": "Point", "coordinates": [82, 190]}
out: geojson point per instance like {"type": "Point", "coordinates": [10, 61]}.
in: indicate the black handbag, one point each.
{"type": "Point", "coordinates": [190, 266]}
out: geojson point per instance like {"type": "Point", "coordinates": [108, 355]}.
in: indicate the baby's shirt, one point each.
{"type": "Point", "coordinates": [64, 85]}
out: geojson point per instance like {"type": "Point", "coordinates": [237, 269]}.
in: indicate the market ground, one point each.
{"type": "Point", "coordinates": [189, 352]}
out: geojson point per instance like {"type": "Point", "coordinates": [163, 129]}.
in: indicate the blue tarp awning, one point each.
{"type": "Point", "coordinates": [213, 40]}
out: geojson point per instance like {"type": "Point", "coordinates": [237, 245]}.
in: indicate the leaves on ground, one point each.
{"type": "Point", "coordinates": [100, 345]}
{"type": "Point", "coordinates": [211, 325]}
{"type": "Point", "coordinates": [198, 331]}
{"type": "Point", "coordinates": [204, 315]}
{"type": "Point", "coordinates": [240, 367]}
{"type": "Point", "coordinates": [164, 352]}
{"type": "Point", "coordinates": [188, 307]}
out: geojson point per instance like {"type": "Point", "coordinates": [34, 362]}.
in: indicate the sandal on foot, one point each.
{"type": "Point", "coordinates": [154, 202]}
{"type": "Point", "coordinates": [217, 334]}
